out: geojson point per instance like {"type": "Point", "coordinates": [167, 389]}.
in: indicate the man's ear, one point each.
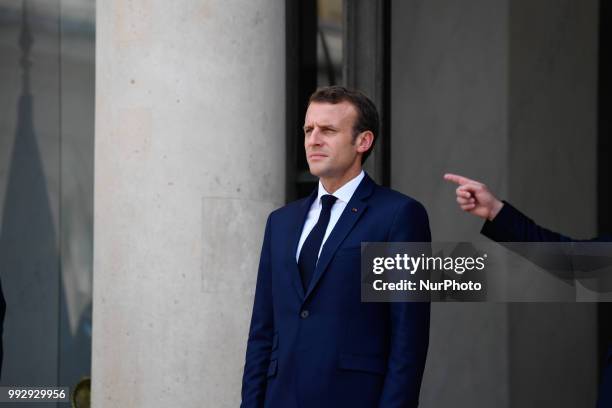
{"type": "Point", "coordinates": [364, 141]}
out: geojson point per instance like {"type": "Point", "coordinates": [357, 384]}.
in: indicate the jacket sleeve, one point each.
{"type": "Point", "coordinates": [510, 225]}
{"type": "Point", "coordinates": [261, 331]}
{"type": "Point", "coordinates": [409, 321]}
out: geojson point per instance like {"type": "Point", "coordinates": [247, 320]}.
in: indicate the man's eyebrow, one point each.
{"type": "Point", "coordinates": [330, 127]}
{"type": "Point", "coordinates": [324, 127]}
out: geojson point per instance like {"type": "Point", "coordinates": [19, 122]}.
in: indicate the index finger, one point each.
{"type": "Point", "coordinates": [456, 178]}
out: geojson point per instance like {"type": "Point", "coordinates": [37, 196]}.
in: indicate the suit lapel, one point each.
{"type": "Point", "coordinates": [295, 234]}
{"type": "Point", "coordinates": [351, 214]}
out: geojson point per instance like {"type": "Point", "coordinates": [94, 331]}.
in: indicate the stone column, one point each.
{"type": "Point", "coordinates": [190, 159]}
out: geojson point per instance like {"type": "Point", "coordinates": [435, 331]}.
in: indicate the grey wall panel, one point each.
{"type": "Point", "coordinates": [551, 173]}
{"type": "Point", "coordinates": [502, 91]}
{"type": "Point", "coordinates": [448, 99]}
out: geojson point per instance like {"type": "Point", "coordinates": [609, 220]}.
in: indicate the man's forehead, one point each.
{"type": "Point", "coordinates": [330, 111]}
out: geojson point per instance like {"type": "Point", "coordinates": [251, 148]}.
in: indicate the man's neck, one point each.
{"type": "Point", "coordinates": [332, 184]}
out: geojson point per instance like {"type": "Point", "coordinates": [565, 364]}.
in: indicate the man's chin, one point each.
{"type": "Point", "coordinates": [316, 170]}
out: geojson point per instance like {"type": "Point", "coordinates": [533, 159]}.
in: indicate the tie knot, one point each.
{"type": "Point", "coordinates": [328, 201]}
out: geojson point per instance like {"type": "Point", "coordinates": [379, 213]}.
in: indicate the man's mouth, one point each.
{"type": "Point", "coordinates": [316, 156]}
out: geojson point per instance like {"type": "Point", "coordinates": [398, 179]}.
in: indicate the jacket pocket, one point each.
{"type": "Point", "coordinates": [369, 364]}
{"type": "Point", "coordinates": [272, 368]}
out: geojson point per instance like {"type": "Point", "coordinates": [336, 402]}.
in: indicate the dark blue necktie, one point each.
{"type": "Point", "coordinates": [307, 261]}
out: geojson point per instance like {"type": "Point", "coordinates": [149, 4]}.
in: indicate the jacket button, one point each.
{"type": "Point", "coordinates": [304, 314]}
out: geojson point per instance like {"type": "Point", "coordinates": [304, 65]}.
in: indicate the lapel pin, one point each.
{"type": "Point", "coordinates": [354, 209]}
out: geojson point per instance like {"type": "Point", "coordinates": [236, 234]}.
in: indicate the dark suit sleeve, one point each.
{"type": "Point", "coordinates": [510, 225]}
{"type": "Point", "coordinates": [409, 321]}
{"type": "Point", "coordinates": [259, 344]}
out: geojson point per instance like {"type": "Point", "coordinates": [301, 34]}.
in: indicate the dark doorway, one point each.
{"type": "Point", "coordinates": [604, 157]}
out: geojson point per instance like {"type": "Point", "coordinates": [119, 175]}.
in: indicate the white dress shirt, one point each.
{"type": "Point", "coordinates": [343, 196]}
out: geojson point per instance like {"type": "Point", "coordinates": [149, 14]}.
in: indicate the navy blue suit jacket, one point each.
{"type": "Point", "coordinates": [322, 347]}
{"type": "Point", "coordinates": [510, 225]}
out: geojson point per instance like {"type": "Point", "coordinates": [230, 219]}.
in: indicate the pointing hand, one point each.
{"type": "Point", "coordinates": [474, 197]}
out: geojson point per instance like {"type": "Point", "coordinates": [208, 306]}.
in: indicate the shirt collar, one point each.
{"type": "Point", "coordinates": [345, 192]}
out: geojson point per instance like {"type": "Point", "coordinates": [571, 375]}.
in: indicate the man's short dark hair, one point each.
{"type": "Point", "coordinates": [367, 114]}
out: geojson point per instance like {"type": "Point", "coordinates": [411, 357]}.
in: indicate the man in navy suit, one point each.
{"type": "Point", "coordinates": [504, 223]}
{"type": "Point", "coordinates": [312, 342]}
